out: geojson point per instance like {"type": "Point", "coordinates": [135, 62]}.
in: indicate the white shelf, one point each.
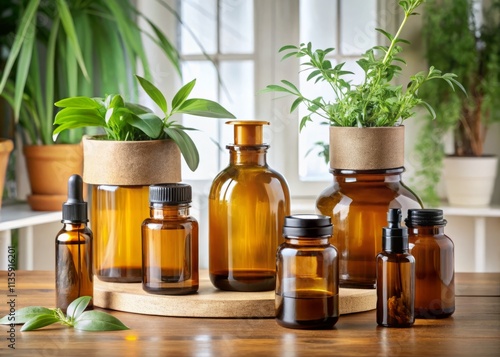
{"type": "Point", "coordinates": [486, 211]}
{"type": "Point", "coordinates": [21, 216]}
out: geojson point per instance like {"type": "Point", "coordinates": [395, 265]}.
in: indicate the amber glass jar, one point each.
{"type": "Point", "coordinates": [116, 217]}
{"type": "Point", "coordinates": [307, 289]}
{"type": "Point", "coordinates": [395, 276]}
{"type": "Point", "coordinates": [434, 255]}
{"type": "Point", "coordinates": [358, 202]}
{"type": "Point", "coordinates": [248, 203]}
{"type": "Point", "coordinates": [170, 242]}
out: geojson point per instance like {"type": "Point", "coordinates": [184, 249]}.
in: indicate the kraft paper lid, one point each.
{"type": "Point", "coordinates": [248, 132]}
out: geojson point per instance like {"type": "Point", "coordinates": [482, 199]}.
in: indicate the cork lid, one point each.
{"type": "Point", "coordinates": [248, 132]}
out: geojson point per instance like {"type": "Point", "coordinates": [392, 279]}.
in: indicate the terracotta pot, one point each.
{"type": "Point", "coordinates": [49, 167]}
{"type": "Point", "coordinates": [366, 148]}
{"type": "Point", "coordinates": [6, 147]}
{"type": "Point", "coordinates": [470, 180]}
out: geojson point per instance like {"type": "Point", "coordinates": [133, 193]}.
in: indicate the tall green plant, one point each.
{"type": "Point", "coordinates": [455, 42]}
{"type": "Point", "coordinates": [89, 48]}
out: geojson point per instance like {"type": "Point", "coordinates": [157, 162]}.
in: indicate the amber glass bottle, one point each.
{"type": "Point", "coordinates": [74, 274]}
{"type": "Point", "coordinates": [170, 242]}
{"type": "Point", "coordinates": [358, 202]}
{"type": "Point", "coordinates": [116, 216]}
{"type": "Point", "coordinates": [395, 276]}
{"type": "Point", "coordinates": [307, 289]}
{"type": "Point", "coordinates": [434, 266]}
{"type": "Point", "coordinates": [248, 203]}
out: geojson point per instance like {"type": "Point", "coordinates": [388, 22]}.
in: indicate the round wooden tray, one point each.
{"type": "Point", "coordinates": [209, 301]}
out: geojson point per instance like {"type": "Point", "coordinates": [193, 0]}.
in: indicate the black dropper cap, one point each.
{"type": "Point", "coordinates": [394, 237]}
{"type": "Point", "coordinates": [74, 210]}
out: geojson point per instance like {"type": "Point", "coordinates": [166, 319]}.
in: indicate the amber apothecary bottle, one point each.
{"type": "Point", "coordinates": [117, 214]}
{"type": "Point", "coordinates": [395, 276]}
{"type": "Point", "coordinates": [170, 242]}
{"type": "Point", "coordinates": [307, 289]}
{"type": "Point", "coordinates": [74, 274]}
{"type": "Point", "coordinates": [248, 203]}
{"type": "Point", "coordinates": [434, 263]}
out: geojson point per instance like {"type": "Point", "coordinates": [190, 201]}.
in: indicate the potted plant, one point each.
{"type": "Point", "coordinates": [139, 148]}
{"type": "Point", "coordinates": [88, 48]}
{"type": "Point", "coordinates": [366, 144]}
{"type": "Point", "coordinates": [456, 42]}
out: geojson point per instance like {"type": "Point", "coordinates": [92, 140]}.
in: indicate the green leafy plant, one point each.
{"type": "Point", "coordinates": [455, 42]}
{"type": "Point", "coordinates": [89, 48]}
{"type": "Point", "coordinates": [35, 317]}
{"type": "Point", "coordinates": [126, 121]}
{"type": "Point", "coordinates": [376, 101]}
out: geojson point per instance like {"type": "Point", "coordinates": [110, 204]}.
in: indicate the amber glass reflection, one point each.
{"type": "Point", "coordinates": [247, 205]}
{"type": "Point", "coordinates": [358, 202]}
{"type": "Point", "coordinates": [434, 272]}
{"type": "Point", "coordinates": [74, 274]}
{"type": "Point", "coordinates": [395, 289]}
{"type": "Point", "coordinates": [116, 217]}
{"type": "Point", "coordinates": [170, 251]}
{"type": "Point", "coordinates": [307, 291]}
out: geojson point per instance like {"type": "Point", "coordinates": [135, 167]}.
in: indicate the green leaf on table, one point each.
{"type": "Point", "coordinates": [76, 308]}
{"type": "Point", "coordinates": [153, 92]}
{"type": "Point", "coordinates": [40, 321]}
{"type": "Point", "coordinates": [25, 314]}
{"type": "Point", "coordinates": [98, 321]}
{"type": "Point", "coordinates": [204, 108]}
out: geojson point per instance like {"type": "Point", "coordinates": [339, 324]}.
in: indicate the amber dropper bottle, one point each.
{"type": "Point", "coordinates": [395, 275]}
{"type": "Point", "coordinates": [74, 274]}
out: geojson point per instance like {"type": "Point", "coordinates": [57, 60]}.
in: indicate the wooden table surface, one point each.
{"type": "Point", "coordinates": [473, 330]}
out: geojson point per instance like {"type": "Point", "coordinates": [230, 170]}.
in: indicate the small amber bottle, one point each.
{"type": "Point", "coordinates": [395, 275]}
{"type": "Point", "coordinates": [434, 263]}
{"type": "Point", "coordinates": [248, 203]}
{"type": "Point", "coordinates": [74, 274]}
{"type": "Point", "coordinates": [170, 242]}
{"type": "Point", "coordinates": [307, 288]}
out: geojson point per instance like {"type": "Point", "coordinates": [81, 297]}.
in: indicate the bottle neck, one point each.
{"type": "Point", "coordinates": [426, 230]}
{"type": "Point", "coordinates": [73, 226]}
{"type": "Point", "coordinates": [307, 241]}
{"type": "Point", "coordinates": [247, 155]}
{"type": "Point", "coordinates": [163, 211]}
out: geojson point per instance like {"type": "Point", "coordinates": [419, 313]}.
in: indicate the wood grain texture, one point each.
{"type": "Point", "coordinates": [473, 330]}
{"type": "Point", "coordinates": [211, 302]}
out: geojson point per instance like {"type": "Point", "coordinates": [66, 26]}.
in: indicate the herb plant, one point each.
{"type": "Point", "coordinates": [124, 121]}
{"type": "Point", "coordinates": [375, 102]}
{"type": "Point", "coordinates": [35, 317]}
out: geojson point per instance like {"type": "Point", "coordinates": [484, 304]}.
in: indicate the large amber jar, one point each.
{"type": "Point", "coordinates": [358, 199]}
{"type": "Point", "coordinates": [248, 203]}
